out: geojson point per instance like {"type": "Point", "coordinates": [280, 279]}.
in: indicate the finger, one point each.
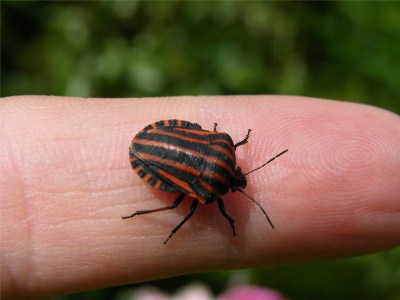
{"type": "Point", "coordinates": [66, 180]}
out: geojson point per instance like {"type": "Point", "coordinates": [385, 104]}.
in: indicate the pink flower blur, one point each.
{"type": "Point", "coordinates": [247, 292]}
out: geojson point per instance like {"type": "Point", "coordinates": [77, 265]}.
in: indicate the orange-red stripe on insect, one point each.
{"type": "Point", "coordinates": [181, 137]}
{"type": "Point", "coordinates": [178, 182]}
{"type": "Point", "coordinates": [171, 163]}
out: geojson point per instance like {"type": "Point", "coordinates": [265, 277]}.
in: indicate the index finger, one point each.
{"type": "Point", "coordinates": [67, 180]}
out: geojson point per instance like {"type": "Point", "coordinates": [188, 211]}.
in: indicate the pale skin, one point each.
{"type": "Point", "coordinates": [66, 181]}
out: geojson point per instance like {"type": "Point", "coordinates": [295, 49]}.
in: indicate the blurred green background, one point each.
{"type": "Point", "coordinates": [342, 50]}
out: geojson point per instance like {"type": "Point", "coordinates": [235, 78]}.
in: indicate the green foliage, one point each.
{"type": "Point", "coordinates": [339, 50]}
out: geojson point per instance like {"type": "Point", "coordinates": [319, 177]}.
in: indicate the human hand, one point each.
{"type": "Point", "coordinates": [66, 181]}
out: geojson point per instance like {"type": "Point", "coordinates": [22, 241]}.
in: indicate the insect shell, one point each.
{"type": "Point", "coordinates": [180, 157]}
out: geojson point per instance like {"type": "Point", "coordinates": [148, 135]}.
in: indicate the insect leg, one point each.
{"type": "Point", "coordinates": [224, 213]}
{"type": "Point", "coordinates": [191, 212]}
{"type": "Point", "coordinates": [215, 127]}
{"type": "Point", "coordinates": [244, 141]}
{"type": "Point", "coordinates": [149, 211]}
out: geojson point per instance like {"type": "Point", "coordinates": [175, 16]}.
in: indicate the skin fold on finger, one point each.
{"type": "Point", "coordinates": [66, 181]}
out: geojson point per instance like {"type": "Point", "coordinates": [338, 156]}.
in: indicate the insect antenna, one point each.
{"type": "Point", "coordinates": [283, 152]}
{"type": "Point", "coordinates": [258, 204]}
{"type": "Point", "coordinates": [265, 213]}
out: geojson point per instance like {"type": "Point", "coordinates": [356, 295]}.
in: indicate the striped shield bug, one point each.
{"type": "Point", "coordinates": [180, 157]}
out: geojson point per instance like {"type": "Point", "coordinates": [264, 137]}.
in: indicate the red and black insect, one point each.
{"type": "Point", "coordinates": [180, 157]}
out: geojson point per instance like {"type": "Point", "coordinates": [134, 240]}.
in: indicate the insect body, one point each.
{"type": "Point", "coordinates": [181, 157]}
